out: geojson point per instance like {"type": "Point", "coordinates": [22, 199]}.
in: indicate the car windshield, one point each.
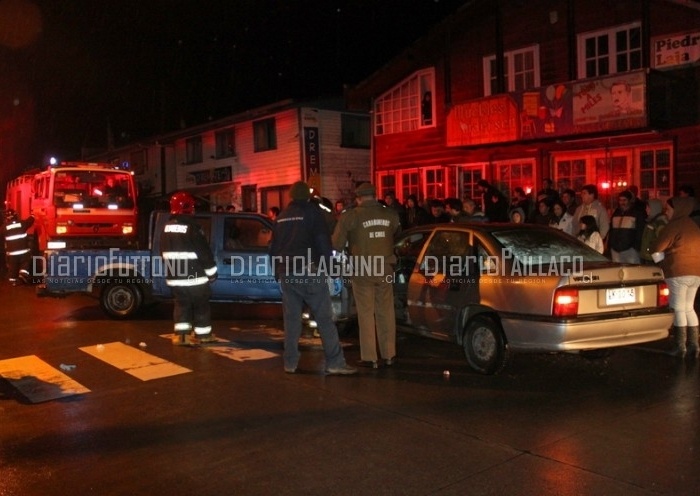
{"type": "Point", "coordinates": [531, 246]}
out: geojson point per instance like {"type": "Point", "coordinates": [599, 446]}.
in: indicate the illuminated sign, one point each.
{"type": "Point", "coordinates": [487, 120]}
{"type": "Point", "coordinates": [671, 51]}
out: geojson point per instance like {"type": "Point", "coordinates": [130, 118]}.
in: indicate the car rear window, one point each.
{"type": "Point", "coordinates": [528, 246]}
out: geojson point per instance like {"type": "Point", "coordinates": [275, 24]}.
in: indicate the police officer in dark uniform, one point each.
{"type": "Point", "coordinates": [17, 247]}
{"type": "Point", "coordinates": [189, 268]}
{"type": "Point", "coordinates": [369, 231]}
{"type": "Point", "coordinates": [300, 240]}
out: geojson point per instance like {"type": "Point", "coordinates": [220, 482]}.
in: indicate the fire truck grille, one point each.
{"type": "Point", "coordinates": [92, 225]}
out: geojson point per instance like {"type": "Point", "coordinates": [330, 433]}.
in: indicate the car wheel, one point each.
{"type": "Point", "coordinates": [120, 300]}
{"type": "Point", "coordinates": [485, 346]}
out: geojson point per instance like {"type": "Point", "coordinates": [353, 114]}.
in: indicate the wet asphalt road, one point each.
{"type": "Point", "coordinates": [549, 424]}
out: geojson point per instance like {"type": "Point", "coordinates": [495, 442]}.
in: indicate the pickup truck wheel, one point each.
{"type": "Point", "coordinates": [121, 300]}
{"type": "Point", "coordinates": [485, 346]}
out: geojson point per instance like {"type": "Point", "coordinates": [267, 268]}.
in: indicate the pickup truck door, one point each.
{"type": "Point", "coordinates": [240, 244]}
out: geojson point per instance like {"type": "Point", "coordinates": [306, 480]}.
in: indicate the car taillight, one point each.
{"type": "Point", "coordinates": [565, 302]}
{"type": "Point", "coordinates": [662, 295]}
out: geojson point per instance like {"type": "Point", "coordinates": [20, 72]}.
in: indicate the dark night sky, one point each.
{"type": "Point", "coordinates": [145, 66]}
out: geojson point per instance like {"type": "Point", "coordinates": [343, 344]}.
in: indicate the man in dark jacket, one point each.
{"type": "Point", "coordinates": [301, 244]}
{"type": "Point", "coordinates": [189, 268]}
{"type": "Point", "coordinates": [495, 204]}
{"type": "Point", "coordinates": [626, 229]}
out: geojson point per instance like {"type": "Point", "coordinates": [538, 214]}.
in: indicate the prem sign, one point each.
{"type": "Point", "coordinates": [681, 49]}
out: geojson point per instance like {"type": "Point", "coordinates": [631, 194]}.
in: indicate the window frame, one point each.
{"type": "Point", "coordinates": [612, 53]}
{"type": "Point", "coordinates": [264, 134]}
{"type": "Point", "coordinates": [509, 181]}
{"type": "Point", "coordinates": [225, 143]}
{"type": "Point", "coordinates": [401, 109]}
{"type": "Point", "coordinates": [193, 150]}
{"type": "Point", "coordinates": [509, 69]}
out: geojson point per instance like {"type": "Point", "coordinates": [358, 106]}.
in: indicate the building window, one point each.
{"type": "Point", "coordinates": [265, 135]}
{"type": "Point", "coordinates": [225, 143]}
{"type": "Point", "coordinates": [570, 174]}
{"type": "Point", "coordinates": [435, 183]}
{"type": "Point", "coordinates": [387, 184]}
{"type": "Point", "coordinates": [513, 175]}
{"type": "Point", "coordinates": [610, 51]}
{"type": "Point", "coordinates": [410, 184]}
{"type": "Point", "coordinates": [521, 70]}
{"type": "Point", "coordinates": [355, 131]}
{"type": "Point", "coordinates": [406, 107]}
{"type": "Point", "coordinates": [194, 150]}
{"type": "Point", "coordinates": [468, 177]}
{"type": "Point", "coordinates": [655, 173]}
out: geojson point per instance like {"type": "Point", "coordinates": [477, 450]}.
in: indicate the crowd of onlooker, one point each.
{"type": "Point", "coordinates": [625, 233]}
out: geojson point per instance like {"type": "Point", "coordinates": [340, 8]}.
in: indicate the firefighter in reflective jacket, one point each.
{"type": "Point", "coordinates": [17, 247]}
{"type": "Point", "coordinates": [189, 268]}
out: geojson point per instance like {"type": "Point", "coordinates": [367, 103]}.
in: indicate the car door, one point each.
{"type": "Point", "coordinates": [444, 281]}
{"type": "Point", "coordinates": [240, 245]}
{"type": "Point", "coordinates": [407, 248]}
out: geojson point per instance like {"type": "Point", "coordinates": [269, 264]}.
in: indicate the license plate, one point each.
{"type": "Point", "coordinates": [618, 296]}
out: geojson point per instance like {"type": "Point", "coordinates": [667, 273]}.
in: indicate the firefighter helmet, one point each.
{"type": "Point", "coordinates": [10, 216]}
{"type": "Point", "coordinates": [182, 203]}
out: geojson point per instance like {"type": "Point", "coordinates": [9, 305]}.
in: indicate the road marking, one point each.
{"type": "Point", "coordinates": [241, 354]}
{"type": "Point", "coordinates": [133, 361]}
{"type": "Point", "coordinates": [232, 351]}
{"type": "Point", "coordinates": [37, 380]}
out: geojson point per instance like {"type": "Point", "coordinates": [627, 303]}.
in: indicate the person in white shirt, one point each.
{"type": "Point", "coordinates": [562, 219]}
{"type": "Point", "coordinates": [589, 233]}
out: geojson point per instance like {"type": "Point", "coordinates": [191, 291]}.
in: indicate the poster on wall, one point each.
{"type": "Point", "coordinates": [613, 102]}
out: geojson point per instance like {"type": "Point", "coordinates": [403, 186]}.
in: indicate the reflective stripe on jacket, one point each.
{"type": "Point", "coordinates": [186, 254]}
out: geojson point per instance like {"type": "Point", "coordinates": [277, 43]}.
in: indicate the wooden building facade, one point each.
{"type": "Point", "coordinates": [249, 160]}
{"type": "Point", "coordinates": [579, 91]}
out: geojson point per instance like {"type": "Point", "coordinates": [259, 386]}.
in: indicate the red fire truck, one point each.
{"type": "Point", "coordinates": [77, 205]}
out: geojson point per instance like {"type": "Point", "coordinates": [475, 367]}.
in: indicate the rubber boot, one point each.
{"type": "Point", "coordinates": [693, 348]}
{"type": "Point", "coordinates": [679, 336]}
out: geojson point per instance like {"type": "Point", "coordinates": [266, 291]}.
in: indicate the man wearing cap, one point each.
{"type": "Point", "coordinates": [300, 239]}
{"type": "Point", "coordinates": [369, 232]}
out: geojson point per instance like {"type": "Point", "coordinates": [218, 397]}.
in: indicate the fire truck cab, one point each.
{"type": "Point", "coordinates": [79, 205]}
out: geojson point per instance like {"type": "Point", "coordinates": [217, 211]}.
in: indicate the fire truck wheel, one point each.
{"type": "Point", "coordinates": [121, 300]}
